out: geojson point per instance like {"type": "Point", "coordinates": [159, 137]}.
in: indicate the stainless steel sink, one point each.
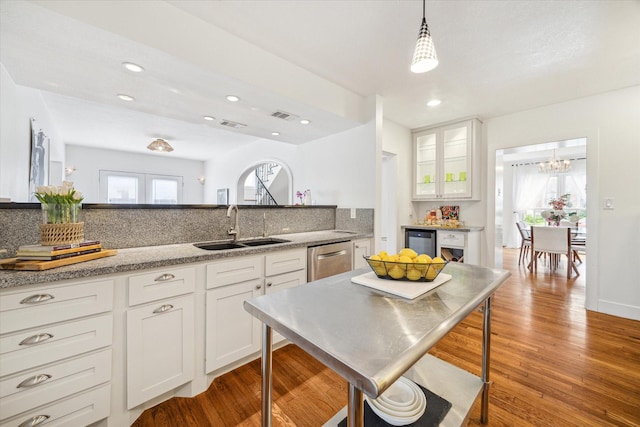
{"type": "Point", "coordinates": [221, 246]}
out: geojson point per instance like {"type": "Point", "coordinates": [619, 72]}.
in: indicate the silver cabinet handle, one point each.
{"type": "Point", "coordinates": [258, 286]}
{"type": "Point", "coordinates": [35, 339]}
{"type": "Point", "coordinates": [34, 380]}
{"type": "Point", "coordinates": [35, 421]}
{"type": "Point", "coordinates": [163, 308]}
{"type": "Point", "coordinates": [38, 298]}
{"type": "Point", "coordinates": [269, 284]}
{"type": "Point", "coordinates": [165, 277]}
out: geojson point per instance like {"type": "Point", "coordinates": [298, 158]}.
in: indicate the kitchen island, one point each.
{"type": "Point", "coordinates": [371, 338]}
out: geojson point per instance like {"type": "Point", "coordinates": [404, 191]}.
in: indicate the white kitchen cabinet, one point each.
{"type": "Point", "coordinates": [160, 348]}
{"type": "Point", "coordinates": [361, 248]}
{"type": "Point", "coordinates": [160, 333]}
{"type": "Point", "coordinates": [55, 342]}
{"type": "Point", "coordinates": [231, 332]}
{"type": "Point", "coordinates": [446, 162]}
{"type": "Point", "coordinates": [464, 246]}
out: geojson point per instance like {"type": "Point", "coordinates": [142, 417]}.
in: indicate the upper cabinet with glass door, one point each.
{"type": "Point", "coordinates": [446, 162]}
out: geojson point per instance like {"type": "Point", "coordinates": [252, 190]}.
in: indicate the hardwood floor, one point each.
{"type": "Point", "coordinates": [552, 364]}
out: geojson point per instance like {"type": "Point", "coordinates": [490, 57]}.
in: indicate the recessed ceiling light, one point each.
{"type": "Point", "coordinates": [232, 98]}
{"type": "Point", "coordinates": [275, 133]}
{"type": "Point", "coordinates": [126, 97]}
{"type": "Point", "coordinates": [255, 108]}
{"type": "Point", "coordinates": [434, 103]}
{"type": "Point", "coordinates": [133, 67]}
{"type": "Point", "coordinates": [209, 118]}
{"type": "Point", "coordinates": [305, 121]}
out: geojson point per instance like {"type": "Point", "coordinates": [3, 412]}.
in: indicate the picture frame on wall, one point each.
{"type": "Point", "coordinates": [39, 159]}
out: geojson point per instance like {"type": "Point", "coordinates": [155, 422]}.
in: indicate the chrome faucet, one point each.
{"type": "Point", "coordinates": [235, 230]}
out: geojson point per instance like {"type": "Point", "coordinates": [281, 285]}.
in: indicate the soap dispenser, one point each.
{"type": "Point", "coordinates": [307, 197]}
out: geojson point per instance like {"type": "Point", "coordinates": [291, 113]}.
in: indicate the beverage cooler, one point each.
{"type": "Point", "coordinates": [421, 241]}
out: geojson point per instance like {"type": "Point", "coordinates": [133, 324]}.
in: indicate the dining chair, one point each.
{"type": "Point", "coordinates": [554, 241]}
{"type": "Point", "coordinates": [525, 244]}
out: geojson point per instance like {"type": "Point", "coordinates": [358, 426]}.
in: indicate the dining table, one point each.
{"type": "Point", "coordinates": [371, 338]}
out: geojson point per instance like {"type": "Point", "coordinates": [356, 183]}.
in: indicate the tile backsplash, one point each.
{"type": "Point", "coordinates": [126, 227]}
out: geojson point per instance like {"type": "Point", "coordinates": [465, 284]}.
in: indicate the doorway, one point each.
{"type": "Point", "coordinates": [524, 188]}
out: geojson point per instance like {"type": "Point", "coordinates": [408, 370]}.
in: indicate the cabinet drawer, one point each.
{"type": "Point", "coordinates": [450, 238]}
{"type": "Point", "coordinates": [79, 410]}
{"type": "Point", "coordinates": [45, 384]}
{"type": "Point", "coordinates": [28, 309]}
{"type": "Point", "coordinates": [161, 284]}
{"type": "Point", "coordinates": [286, 261]}
{"type": "Point", "coordinates": [234, 270]}
{"type": "Point", "coordinates": [53, 342]}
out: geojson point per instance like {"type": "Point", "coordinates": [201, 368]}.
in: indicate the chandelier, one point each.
{"type": "Point", "coordinates": [554, 166]}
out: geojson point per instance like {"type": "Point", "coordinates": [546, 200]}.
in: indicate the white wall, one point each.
{"type": "Point", "coordinates": [611, 124]}
{"type": "Point", "coordinates": [224, 170]}
{"type": "Point", "coordinates": [18, 104]}
{"type": "Point", "coordinates": [396, 141]}
{"type": "Point", "coordinates": [340, 169]}
{"type": "Point", "coordinates": [89, 161]}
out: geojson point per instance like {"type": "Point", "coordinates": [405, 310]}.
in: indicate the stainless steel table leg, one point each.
{"type": "Point", "coordinates": [355, 407]}
{"type": "Point", "coordinates": [266, 375]}
{"type": "Point", "coordinates": [486, 348]}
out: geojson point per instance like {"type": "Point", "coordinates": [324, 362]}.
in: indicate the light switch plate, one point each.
{"type": "Point", "coordinates": [608, 203]}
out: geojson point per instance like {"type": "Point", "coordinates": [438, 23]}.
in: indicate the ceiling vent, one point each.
{"type": "Point", "coordinates": [284, 115]}
{"type": "Point", "coordinates": [231, 124]}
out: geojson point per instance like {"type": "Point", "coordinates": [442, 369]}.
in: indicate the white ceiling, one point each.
{"type": "Point", "coordinates": [319, 60]}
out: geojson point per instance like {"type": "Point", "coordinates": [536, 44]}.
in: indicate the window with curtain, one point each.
{"type": "Point", "coordinates": [533, 190]}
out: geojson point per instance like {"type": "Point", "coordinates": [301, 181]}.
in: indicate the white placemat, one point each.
{"type": "Point", "coordinates": [401, 288]}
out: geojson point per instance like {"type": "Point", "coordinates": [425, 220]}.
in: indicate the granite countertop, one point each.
{"type": "Point", "coordinates": [466, 228]}
{"type": "Point", "coordinates": [132, 259]}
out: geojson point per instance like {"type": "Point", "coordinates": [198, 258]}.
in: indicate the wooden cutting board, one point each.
{"type": "Point", "coordinates": [15, 264]}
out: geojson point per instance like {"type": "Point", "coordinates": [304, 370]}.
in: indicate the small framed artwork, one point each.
{"type": "Point", "coordinates": [223, 196]}
{"type": "Point", "coordinates": [39, 165]}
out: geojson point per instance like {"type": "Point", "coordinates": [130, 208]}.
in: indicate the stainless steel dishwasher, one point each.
{"type": "Point", "coordinates": [327, 260]}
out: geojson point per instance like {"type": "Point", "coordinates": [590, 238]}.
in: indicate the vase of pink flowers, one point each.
{"type": "Point", "coordinates": [557, 214]}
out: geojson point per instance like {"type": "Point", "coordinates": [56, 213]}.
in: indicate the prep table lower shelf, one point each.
{"type": "Point", "coordinates": [447, 381]}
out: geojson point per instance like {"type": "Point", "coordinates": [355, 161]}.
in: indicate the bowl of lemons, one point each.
{"type": "Point", "coordinates": [406, 265]}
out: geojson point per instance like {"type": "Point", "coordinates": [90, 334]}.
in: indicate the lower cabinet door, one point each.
{"type": "Point", "coordinates": [232, 333]}
{"type": "Point", "coordinates": [160, 348]}
{"type": "Point", "coordinates": [280, 282]}
{"type": "Point", "coordinates": [79, 410]}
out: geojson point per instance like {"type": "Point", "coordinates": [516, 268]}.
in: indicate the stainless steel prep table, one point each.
{"type": "Point", "coordinates": [371, 338]}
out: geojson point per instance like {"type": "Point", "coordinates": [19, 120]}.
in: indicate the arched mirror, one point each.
{"type": "Point", "coordinates": [265, 183]}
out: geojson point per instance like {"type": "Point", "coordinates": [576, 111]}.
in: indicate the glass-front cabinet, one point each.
{"type": "Point", "coordinates": [446, 161]}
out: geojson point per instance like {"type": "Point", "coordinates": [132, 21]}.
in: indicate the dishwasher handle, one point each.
{"type": "Point", "coordinates": [332, 254]}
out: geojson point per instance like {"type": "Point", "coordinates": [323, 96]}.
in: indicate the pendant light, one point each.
{"type": "Point", "coordinates": [424, 56]}
{"type": "Point", "coordinates": [160, 145]}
